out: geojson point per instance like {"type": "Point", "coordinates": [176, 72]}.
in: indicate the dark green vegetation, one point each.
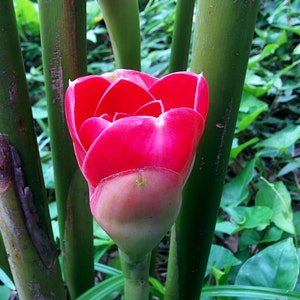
{"type": "Point", "coordinates": [257, 233]}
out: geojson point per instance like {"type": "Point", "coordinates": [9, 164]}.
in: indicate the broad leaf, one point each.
{"type": "Point", "coordinates": [221, 259]}
{"type": "Point", "coordinates": [250, 217]}
{"type": "Point", "coordinates": [282, 139]}
{"type": "Point", "coordinates": [250, 108]}
{"type": "Point", "coordinates": [277, 198]}
{"type": "Point", "coordinates": [236, 191]}
{"type": "Point", "coordinates": [277, 266]}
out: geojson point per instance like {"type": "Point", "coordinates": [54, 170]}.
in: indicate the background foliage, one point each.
{"type": "Point", "coordinates": [259, 219]}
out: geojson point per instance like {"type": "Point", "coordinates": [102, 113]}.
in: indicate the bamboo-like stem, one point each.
{"type": "Point", "coordinates": [171, 291]}
{"type": "Point", "coordinates": [31, 254]}
{"type": "Point", "coordinates": [221, 46]}
{"type": "Point", "coordinates": [15, 112]}
{"type": "Point", "coordinates": [122, 20]}
{"type": "Point", "coordinates": [63, 35]}
{"type": "Point", "coordinates": [136, 277]}
{"type": "Point", "coordinates": [182, 35]}
{"type": "Point", "coordinates": [77, 239]}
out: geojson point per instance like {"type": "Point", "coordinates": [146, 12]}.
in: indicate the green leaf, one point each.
{"type": "Point", "coordinates": [253, 237]}
{"type": "Point", "coordinates": [237, 149]}
{"type": "Point", "coordinates": [273, 234]}
{"type": "Point", "coordinates": [244, 292]}
{"type": "Point", "coordinates": [27, 17]}
{"type": "Point", "coordinates": [249, 237]}
{"type": "Point", "coordinates": [268, 50]}
{"type": "Point", "coordinates": [221, 259]}
{"type": "Point", "coordinates": [293, 29]}
{"type": "Point", "coordinates": [104, 289]}
{"type": "Point", "coordinates": [250, 217]}
{"type": "Point", "coordinates": [106, 269]}
{"type": "Point", "coordinates": [291, 166]}
{"type": "Point", "coordinates": [282, 139]}
{"type": "Point", "coordinates": [296, 50]}
{"type": "Point", "coordinates": [276, 266]}
{"type": "Point", "coordinates": [226, 227]}
{"type": "Point", "coordinates": [4, 292]}
{"type": "Point", "coordinates": [297, 222]}
{"type": "Point", "coordinates": [156, 288]}
{"type": "Point", "coordinates": [236, 190]}
{"type": "Point", "coordinates": [277, 198]}
{"type": "Point", "coordinates": [250, 108]}
{"type": "Point", "coordinates": [6, 280]}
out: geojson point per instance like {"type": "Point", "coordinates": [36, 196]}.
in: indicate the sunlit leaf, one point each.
{"type": "Point", "coordinates": [27, 17]}
{"type": "Point", "coordinates": [282, 139]}
{"type": "Point", "coordinates": [237, 149]}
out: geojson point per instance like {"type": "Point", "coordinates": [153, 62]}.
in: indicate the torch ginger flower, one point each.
{"type": "Point", "coordinates": [135, 138]}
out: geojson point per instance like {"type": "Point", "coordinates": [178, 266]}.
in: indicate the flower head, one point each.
{"type": "Point", "coordinates": [127, 123]}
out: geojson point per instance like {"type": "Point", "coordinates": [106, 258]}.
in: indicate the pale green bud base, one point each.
{"type": "Point", "coordinates": [136, 277]}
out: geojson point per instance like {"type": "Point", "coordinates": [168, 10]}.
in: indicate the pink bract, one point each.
{"type": "Point", "coordinates": [135, 138]}
{"type": "Point", "coordinates": [130, 120]}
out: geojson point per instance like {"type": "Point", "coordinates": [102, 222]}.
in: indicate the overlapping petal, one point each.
{"type": "Point", "coordinates": [82, 98]}
{"type": "Point", "coordinates": [169, 141]}
{"type": "Point", "coordinates": [127, 119]}
{"type": "Point", "coordinates": [142, 79]}
{"type": "Point", "coordinates": [123, 96]}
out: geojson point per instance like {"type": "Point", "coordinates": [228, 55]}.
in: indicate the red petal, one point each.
{"type": "Point", "coordinates": [202, 96]}
{"type": "Point", "coordinates": [90, 130]}
{"type": "Point", "coordinates": [82, 98]}
{"type": "Point", "coordinates": [182, 89]}
{"type": "Point", "coordinates": [169, 141]}
{"type": "Point", "coordinates": [123, 96]}
{"type": "Point", "coordinates": [154, 109]}
{"type": "Point", "coordinates": [119, 115]}
{"type": "Point", "coordinates": [143, 79]}
{"type": "Point", "coordinates": [79, 153]}
{"type": "Point", "coordinates": [176, 90]}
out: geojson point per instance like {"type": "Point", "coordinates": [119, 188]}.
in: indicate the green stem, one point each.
{"type": "Point", "coordinates": [32, 255]}
{"type": "Point", "coordinates": [136, 277]}
{"type": "Point", "coordinates": [221, 46]}
{"type": "Point", "coordinates": [182, 35]}
{"type": "Point", "coordinates": [15, 111]}
{"type": "Point", "coordinates": [172, 278]}
{"type": "Point", "coordinates": [63, 36]}
{"type": "Point", "coordinates": [122, 20]}
{"type": "Point", "coordinates": [78, 238]}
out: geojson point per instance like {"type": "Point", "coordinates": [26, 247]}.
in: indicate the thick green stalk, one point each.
{"type": "Point", "coordinates": [136, 277]}
{"type": "Point", "coordinates": [15, 112]}
{"type": "Point", "coordinates": [122, 20]}
{"type": "Point", "coordinates": [76, 236]}
{"type": "Point", "coordinates": [32, 255]}
{"type": "Point", "coordinates": [182, 35]}
{"type": "Point", "coordinates": [222, 41]}
{"type": "Point", "coordinates": [63, 34]}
